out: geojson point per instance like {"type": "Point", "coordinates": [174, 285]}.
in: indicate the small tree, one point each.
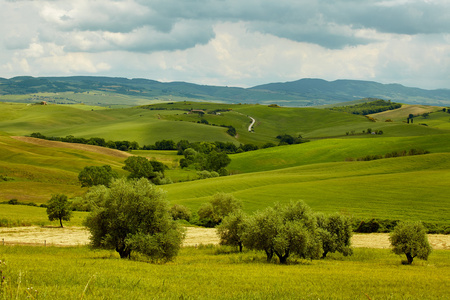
{"type": "Point", "coordinates": [220, 206]}
{"type": "Point", "coordinates": [335, 232]}
{"type": "Point", "coordinates": [58, 208]}
{"type": "Point", "coordinates": [139, 167]}
{"type": "Point", "coordinates": [232, 228]}
{"type": "Point", "coordinates": [93, 175]}
{"type": "Point", "coordinates": [180, 212]}
{"type": "Point", "coordinates": [134, 216]}
{"type": "Point", "coordinates": [410, 238]}
{"type": "Point", "coordinates": [284, 230]}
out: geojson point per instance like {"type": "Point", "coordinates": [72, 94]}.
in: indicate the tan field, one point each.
{"type": "Point", "coordinates": [73, 236]}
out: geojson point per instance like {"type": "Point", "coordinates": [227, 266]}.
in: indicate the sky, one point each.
{"type": "Point", "coordinates": [229, 42]}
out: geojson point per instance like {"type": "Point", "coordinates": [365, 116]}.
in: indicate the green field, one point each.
{"type": "Point", "coordinates": [406, 188]}
{"type": "Point", "coordinates": [147, 126]}
{"type": "Point", "coordinates": [208, 273]}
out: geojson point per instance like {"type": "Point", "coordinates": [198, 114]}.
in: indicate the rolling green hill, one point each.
{"type": "Point", "coordinates": [35, 172]}
{"type": "Point", "coordinates": [304, 92]}
{"type": "Point", "coordinates": [412, 187]}
{"type": "Point", "coordinates": [148, 124]}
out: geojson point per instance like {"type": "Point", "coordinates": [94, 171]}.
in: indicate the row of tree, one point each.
{"type": "Point", "coordinates": [134, 216]}
{"type": "Point", "coordinates": [370, 157]}
{"type": "Point", "coordinates": [138, 166]}
{"type": "Point", "coordinates": [371, 107]}
{"type": "Point", "coordinates": [282, 230]}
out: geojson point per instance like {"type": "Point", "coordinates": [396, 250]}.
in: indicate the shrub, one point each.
{"type": "Point", "coordinates": [220, 206]}
{"type": "Point", "coordinates": [180, 212]}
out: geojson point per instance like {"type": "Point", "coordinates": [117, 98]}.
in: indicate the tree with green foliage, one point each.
{"type": "Point", "coordinates": [410, 238]}
{"type": "Point", "coordinates": [216, 161]}
{"type": "Point", "coordinates": [141, 167]}
{"type": "Point", "coordinates": [58, 208]}
{"type": "Point", "coordinates": [180, 212]}
{"type": "Point", "coordinates": [232, 229]}
{"type": "Point", "coordinates": [134, 216]}
{"type": "Point", "coordinates": [94, 175]}
{"type": "Point", "coordinates": [335, 232]}
{"type": "Point", "coordinates": [220, 206]}
{"type": "Point", "coordinates": [284, 230]}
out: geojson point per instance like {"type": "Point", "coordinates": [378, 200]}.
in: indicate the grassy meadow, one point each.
{"type": "Point", "coordinates": [211, 273]}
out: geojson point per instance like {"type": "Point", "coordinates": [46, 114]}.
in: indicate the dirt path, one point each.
{"type": "Point", "coordinates": [55, 144]}
{"type": "Point", "coordinates": [250, 127]}
{"type": "Point", "coordinates": [72, 236]}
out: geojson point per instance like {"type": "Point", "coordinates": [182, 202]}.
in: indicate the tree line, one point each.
{"type": "Point", "coordinates": [133, 216]}
{"type": "Point", "coordinates": [373, 106]}
{"type": "Point", "coordinates": [180, 146]}
{"type": "Point", "coordinates": [370, 157]}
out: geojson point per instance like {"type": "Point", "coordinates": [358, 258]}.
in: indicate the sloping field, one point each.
{"type": "Point", "coordinates": [405, 188]}
{"type": "Point", "coordinates": [83, 147]}
{"type": "Point", "coordinates": [39, 169]}
{"type": "Point", "coordinates": [333, 150]}
{"type": "Point", "coordinates": [402, 113]}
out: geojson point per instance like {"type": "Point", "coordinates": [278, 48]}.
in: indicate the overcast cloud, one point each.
{"type": "Point", "coordinates": [229, 42]}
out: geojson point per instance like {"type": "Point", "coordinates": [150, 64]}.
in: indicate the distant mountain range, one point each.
{"type": "Point", "coordinates": [304, 92]}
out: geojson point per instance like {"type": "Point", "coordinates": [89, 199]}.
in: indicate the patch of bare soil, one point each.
{"type": "Point", "coordinates": [73, 236]}
{"type": "Point", "coordinates": [90, 148]}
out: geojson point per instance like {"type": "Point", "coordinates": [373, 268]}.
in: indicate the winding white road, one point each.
{"type": "Point", "coordinates": [251, 125]}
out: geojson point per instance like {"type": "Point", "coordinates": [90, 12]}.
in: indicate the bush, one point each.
{"type": "Point", "coordinates": [180, 212]}
{"type": "Point", "coordinates": [220, 206]}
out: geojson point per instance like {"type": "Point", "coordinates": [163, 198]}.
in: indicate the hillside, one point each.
{"type": "Point", "coordinates": [413, 187]}
{"type": "Point", "coordinates": [148, 124]}
{"type": "Point", "coordinates": [107, 91]}
{"type": "Point", "coordinates": [323, 172]}
{"type": "Point", "coordinates": [347, 90]}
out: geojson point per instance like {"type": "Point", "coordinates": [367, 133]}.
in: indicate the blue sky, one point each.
{"type": "Point", "coordinates": [229, 42]}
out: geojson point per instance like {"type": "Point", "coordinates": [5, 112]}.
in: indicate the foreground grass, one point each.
{"type": "Point", "coordinates": [75, 273]}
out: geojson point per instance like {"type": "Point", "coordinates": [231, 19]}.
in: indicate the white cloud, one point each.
{"type": "Point", "coordinates": [229, 42]}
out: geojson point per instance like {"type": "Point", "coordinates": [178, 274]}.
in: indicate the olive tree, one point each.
{"type": "Point", "coordinates": [232, 229]}
{"type": "Point", "coordinates": [58, 208]}
{"type": "Point", "coordinates": [335, 232]}
{"type": "Point", "coordinates": [284, 230]}
{"type": "Point", "coordinates": [220, 206]}
{"type": "Point", "coordinates": [410, 238]}
{"type": "Point", "coordinates": [134, 216]}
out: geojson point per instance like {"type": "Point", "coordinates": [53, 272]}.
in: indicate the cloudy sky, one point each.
{"type": "Point", "coordinates": [229, 42]}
